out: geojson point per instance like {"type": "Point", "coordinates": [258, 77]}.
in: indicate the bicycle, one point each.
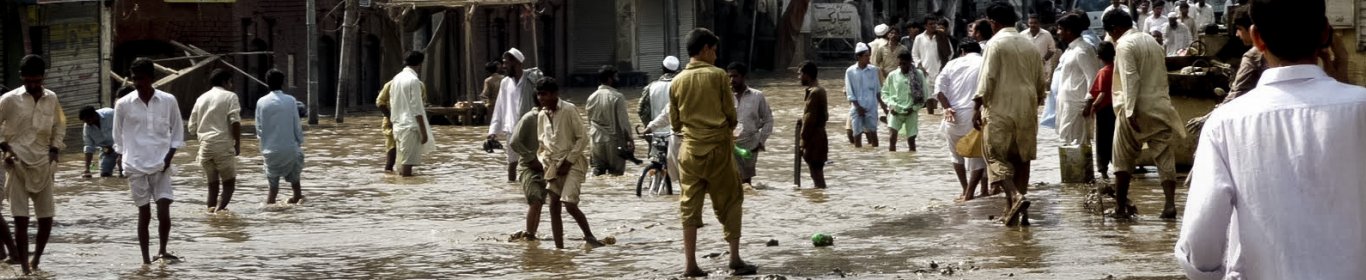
{"type": "Point", "coordinates": [655, 173]}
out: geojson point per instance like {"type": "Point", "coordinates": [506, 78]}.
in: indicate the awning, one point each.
{"type": "Point", "coordinates": [454, 3]}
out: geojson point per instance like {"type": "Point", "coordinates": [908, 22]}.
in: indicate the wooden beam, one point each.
{"type": "Point", "coordinates": [182, 72]}
{"type": "Point", "coordinates": [208, 55]}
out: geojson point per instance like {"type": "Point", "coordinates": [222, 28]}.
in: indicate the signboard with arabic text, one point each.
{"type": "Point", "coordinates": [834, 20]}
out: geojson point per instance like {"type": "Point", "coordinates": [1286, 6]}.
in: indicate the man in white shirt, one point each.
{"type": "Point", "coordinates": [216, 119]}
{"type": "Point", "coordinates": [1077, 67]}
{"type": "Point", "coordinates": [34, 127]}
{"type": "Point", "coordinates": [148, 130]}
{"type": "Point", "coordinates": [1117, 5]}
{"type": "Point", "coordinates": [407, 110]}
{"type": "Point", "coordinates": [516, 97]}
{"type": "Point", "coordinates": [931, 50]}
{"type": "Point", "coordinates": [1186, 16]}
{"type": "Point", "coordinates": [1176, 37]}
{"type": "Point", "coordinates": [1043, 41]}
{"type": "Point", "coordinates": [1275, 190]}
{"type": "Point", "coordinates": [1143, 110]}
{"type": "Point", "coordinates": [955, 87]}
{"type": "Point", "coordinates": [655, 98]}
{"type": "Point", "coordinates": [1156, 19]}
{"type": "Point", "coordinates": [1204, 16]}
{"type": "Point", "coordinates": [881, 31]}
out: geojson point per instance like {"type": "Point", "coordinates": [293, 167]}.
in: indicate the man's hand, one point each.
{"type": "Point", "coordinates": [52, 154]}
{"type": "Point", "coordinates": [1133, 122]}
{"type": "Point", "coordinates": [237, 149]}
{"type": "Point", "coordinates": [108, 150]}
{"type": "Point", "coordinates": [860, 109]}
{"type": "Point", "coordinates": [166, 163]}
{"type": "Point", "coordinates": [424, 138]}
{"type": "Point", "coordinates": [977, 120]}
{"type": "Point", "coordinates": [564, 168]}
{"type": "Point", "coordinates": [1090, 108]}
{"type": "Point", "coordinates": [4, 147]}
{"type": "Point", "coordinates": [537, 167]}
{"type": "Point", "coordinates": [950, 115]}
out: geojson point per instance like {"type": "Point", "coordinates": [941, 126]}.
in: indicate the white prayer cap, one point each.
{"type": "Point", "coordinates": [1173, 15]}
{"type": "Point", "coordinates": [881, 30]}
{"type": "Point", "coordinates": [671, 63]}
{"type": "Point", "coordinates": [517, 54]}
{"type": "Point", "coordinates": [860, 48]}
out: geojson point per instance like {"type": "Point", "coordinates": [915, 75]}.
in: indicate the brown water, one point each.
{"type": "Point", "coordinates": [891, 214]}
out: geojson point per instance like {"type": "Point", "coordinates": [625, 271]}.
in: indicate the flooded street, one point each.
{"type": "Point", "coordinates": [891, 214]}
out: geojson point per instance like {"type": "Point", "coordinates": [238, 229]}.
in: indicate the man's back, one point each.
{"type": "Point", "coordinates": [211, 117]}
{"type": "Point", "coordinates": [705, 109]}
{"type": "Point", "coordinates": [1140, 81]}
{"type": "Point", "coordinates": [1288, 158]}
{"type": "Point", "coordinates": [277, 124]}
{"type": "Point", "coordinates": [1011, 80]}
{"type": "Point", "coordinates": [604, 107]}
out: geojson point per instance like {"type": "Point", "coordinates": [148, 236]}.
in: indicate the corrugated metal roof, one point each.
{"type": "Point", "coordinates": [455, 3]}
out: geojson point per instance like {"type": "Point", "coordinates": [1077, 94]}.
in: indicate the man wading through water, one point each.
{"type": "Point", "coordinates": [1009, 91]}
{"type": "Point", "coordinates": [703, 111]}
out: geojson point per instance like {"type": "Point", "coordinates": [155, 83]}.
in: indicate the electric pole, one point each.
{"type": "Point", "coordinates": [312, 25]}
{"type": "Point", "coordinates": [348, 60]}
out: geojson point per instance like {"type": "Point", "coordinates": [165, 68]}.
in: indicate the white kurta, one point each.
{"type": "Point", "coordinates": [926, 55]}
{"type": "Point", "coordinates": [1277, 178]}
{"type": "Point", "coordinates": [405, 106]}
{"type": "Point", "coordinates": [1077, 69]}
{"type": "Point", "coordinates": [1177, 38]}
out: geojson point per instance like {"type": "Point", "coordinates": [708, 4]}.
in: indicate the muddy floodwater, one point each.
{"type": "Point", "coordinates": [891, 214]}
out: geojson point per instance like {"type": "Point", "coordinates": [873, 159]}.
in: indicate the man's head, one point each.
{"type": "Point", "coordinates": [1185, 10]}
{"type": "Point", "coordinates": [607, 75]}
{"type": "Point", "coordinates": [1159, 7]}
{"type": "Point", "coordinates": [414, 59]}
{"type": "Point", "coordinates": [969, 46]}
{"type": "Point", "coordinates": [1115, 3]}
{"type": "Point", "coordinates": [881, 30]}
{"type": "Point", "coordinates": [1142, 7]}
{"type": "Point", "coordinates": [1106, 52]}
{"type": "Point", "coordinates": [737, 72]}
{"type": "Point", "coordinates": [1034, 23]}
{"type": "Point", "coordinates": [670, 65]}
{"type": "Point", "coordinates": [1116, 23]}
{"type": "Point", "coordinates": [492, 67]}
{"type": "Point", "coordinates": [1173, 22]}
{"type": "Point", "coordinates": [807, 73]}
{"type": "Point", "coordinates": [915, 28]}
{"type": "Point", "coordinates": [932, 24]}
{"type": "Point", "coordinates": [548, 93]}
{"type": "Point", "coordinates": [1157, 35]}
{"type": "Point", "coordinates": [1200, 2]}
{"type": "Point", "coordinates": [1070, 26]}
{"type": "Point", "coordinates": [143, 74]}
{"type": "Point", "coordinates": [1289, 32]}
{"type": "Point", "coordinates": [906, 62]}
{"type": "Point", "coordinates": [275, 79]}
{"type": "Point", "coordinates": [221, 78]}
{"type": "Point", "coordinates": [89, 116]}
{"type": "Point", "coordinates": [512, 60]}
{"type": "Point", "coordinates": [702, 44]}
{"type": "Point", "coordinates": [1242, 21]}
{"type": "Point", "coordinates": [863, 53]}
{"type": "Point", "coordinates": [32, 69]}
{"type": "Point", "coordinates": [1002, 15]}
{"type": "Point", "coordinates": [983, 30]}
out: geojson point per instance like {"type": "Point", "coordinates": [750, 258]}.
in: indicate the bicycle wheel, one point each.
{"type": "Point", "coordinates": [657, 185]}
{"type": "Point", "coordinates": [640, 182]}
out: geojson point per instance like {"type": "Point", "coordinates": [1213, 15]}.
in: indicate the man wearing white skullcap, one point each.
{"type": "Point", "coordinates": [516, 96]}
{"type": "Point", "coordinates": [881, 31]}
{"type": "Point", "coordinates": [861, 87]}
{"type": "Point", "coordinates": [653, 112]}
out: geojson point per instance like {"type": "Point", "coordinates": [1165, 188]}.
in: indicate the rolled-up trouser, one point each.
{"type": "Point", "coordinates": [533, 185]}
{"type": "Point", "coordinates": [107, 163]}
{"type": "Point", "coordinates": [1129, 145]}
{"type": "Point", "coordinates": [972, 164]}
{"type": "Point", "coordinates": [30, 183]}
{"type": "Point", "coordinates": [218, 165]}
{"type": "Point", "coordinates": [287, 166]}
{"type": "Point", "coordinates": [711, 173]}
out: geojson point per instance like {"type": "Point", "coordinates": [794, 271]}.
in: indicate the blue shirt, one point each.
{"type": "Point", "coordinates": [861, 86]}
{"type": "Point", "coordinates": [277, 124]}
{"type": "Point", "coordinates": [99, 137]}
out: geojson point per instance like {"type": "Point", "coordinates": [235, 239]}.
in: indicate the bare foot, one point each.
{"type": "Point", "coordinates": [594, 243]}
{"type": "Point", "coordinates": [1169, 212]}
{"type": "Point", "coordinates": [694, 272]}
{"type": "Point", "coordinates": [742, 269]}
{"type": "Point", "coordinates": [295, 200]}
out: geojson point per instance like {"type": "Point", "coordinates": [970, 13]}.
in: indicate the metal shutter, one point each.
{"type": "Point", "coordinates": [73, 51]}
{"type": "Point", "coordinates": [651, 37]}
{"type": "Point", "coordinates": [593, 35]}
{"type": "Point", "coordinates": [687, 21]}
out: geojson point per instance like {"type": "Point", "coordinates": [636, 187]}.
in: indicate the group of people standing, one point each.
{"type": "Point", "coordinates": [137, 139]}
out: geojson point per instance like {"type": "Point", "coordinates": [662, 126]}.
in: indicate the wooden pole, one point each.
{"type": "Point", "coordinates": [345, 77]}
{"type": "Point", "coordinates": [311, 20]}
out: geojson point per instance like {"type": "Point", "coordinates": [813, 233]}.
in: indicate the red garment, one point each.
{"type": "Point", "coordinates": [1101, 88]}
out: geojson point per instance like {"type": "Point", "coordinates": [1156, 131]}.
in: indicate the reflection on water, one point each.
{"type": "Point", "coordinates": [891, 214]}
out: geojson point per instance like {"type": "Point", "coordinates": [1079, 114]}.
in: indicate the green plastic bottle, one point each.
{"type": "Point", "coordinates": [743, 153]}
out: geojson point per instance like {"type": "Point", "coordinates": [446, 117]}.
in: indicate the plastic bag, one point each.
{"type": "Point", "coordinates": [970, 145]}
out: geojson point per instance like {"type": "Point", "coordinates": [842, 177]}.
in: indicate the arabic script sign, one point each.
{"type": "Point", "coordinates": [834, 20]}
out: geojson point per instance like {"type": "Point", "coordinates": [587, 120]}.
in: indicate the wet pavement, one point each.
{"type": "Point", "coordinates": [891, 214]}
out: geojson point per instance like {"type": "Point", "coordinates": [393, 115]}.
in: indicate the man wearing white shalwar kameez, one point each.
{"type": "Point", "coordinates": [1077, 69]}
{"type": "Point", "coordinates": [409, 115]}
